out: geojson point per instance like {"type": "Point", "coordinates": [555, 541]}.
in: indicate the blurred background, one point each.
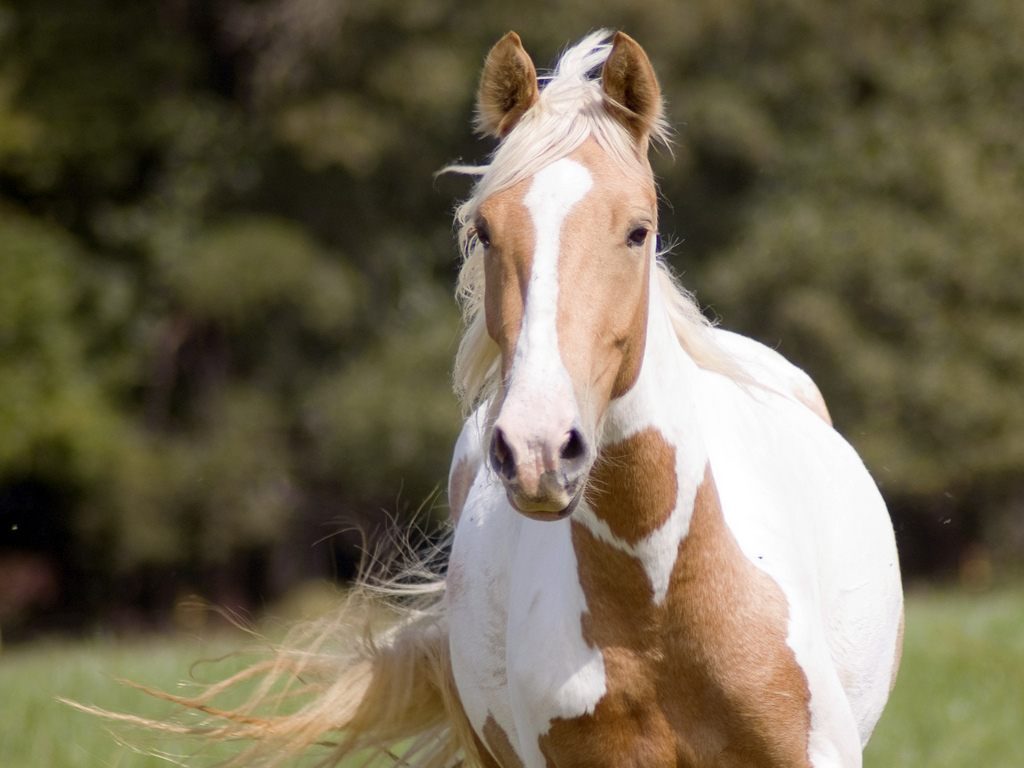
{"type": "Point", "coordinates": [226, 323]}
{"type": "Point", "coordinates": [226, 267]}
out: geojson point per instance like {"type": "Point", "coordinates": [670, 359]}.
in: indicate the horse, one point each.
{"type": "Point", "coordinates": [663, 552]}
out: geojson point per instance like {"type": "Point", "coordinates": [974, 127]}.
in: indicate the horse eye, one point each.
{"type": "Point", "coordinates": [637, 237]}
{"type": "Point", "coordinates": [482, 234]}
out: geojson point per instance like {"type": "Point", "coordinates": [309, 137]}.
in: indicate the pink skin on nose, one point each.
{"type": "Point", "coordinates": [541, 470]}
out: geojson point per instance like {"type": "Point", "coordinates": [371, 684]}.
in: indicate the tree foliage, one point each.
{"type": "Point", "coordinates": [225, 261]}
{"type": "Point", "coordinates": [881, 246]}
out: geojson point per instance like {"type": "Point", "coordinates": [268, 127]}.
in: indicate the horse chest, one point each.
{"type": "Point", "coordinates": [581, 666]}
{"type": "Point", "coordinates": [702, 678]}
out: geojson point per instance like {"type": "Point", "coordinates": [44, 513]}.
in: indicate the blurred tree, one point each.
{"type": "Point", "coordinates": [876, 238]}
{"type": "Point", "coordinates": [58, 420]}
{"type": "Point", "coordinates": [198, 245]}
{"type": "Point", "coordinates": [224, 264]}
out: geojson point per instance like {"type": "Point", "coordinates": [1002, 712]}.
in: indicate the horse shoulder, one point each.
{"type": "Point", "coordinates": [467, 461]}
{"type": "Point", "coordinates": [771, 369]}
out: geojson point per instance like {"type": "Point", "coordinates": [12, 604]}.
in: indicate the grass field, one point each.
{"type": "Point", "coordinates": [959, 702]}
{"type": "Point", "coordinates": [959, 699]}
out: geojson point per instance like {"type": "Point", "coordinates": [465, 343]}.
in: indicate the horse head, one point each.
{"type": "Point", "coordinates": [566, 221]}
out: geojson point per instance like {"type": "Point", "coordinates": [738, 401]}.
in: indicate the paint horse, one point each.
{"type": "Point", "coordinates": [663, 553]}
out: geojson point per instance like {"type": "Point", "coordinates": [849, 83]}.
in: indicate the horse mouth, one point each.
{"type": "Point", "coordinates": [546, 510]}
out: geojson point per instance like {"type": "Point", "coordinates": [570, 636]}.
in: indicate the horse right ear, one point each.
{"type": "Point", "coordinates": [508, 87]}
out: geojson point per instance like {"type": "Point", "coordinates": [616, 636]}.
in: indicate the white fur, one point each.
{"type": "Point", "coordinates": [478, 573]}
{"type": "Point", "coordinates": [766, 366]}
{"type": "Point", "coordinates": [514, 608]}
{"type": "Point", "coordinates": [468, 455]}
{"type": "Point", "coordinates": [570, 110]}
{"type": "Point", "coordinates": [553, 673]}
{"type": "Point", "coordinates": [804, 510]}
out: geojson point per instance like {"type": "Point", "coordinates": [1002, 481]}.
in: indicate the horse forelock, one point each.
{"type": "Point", "coordinates": [571, 109]}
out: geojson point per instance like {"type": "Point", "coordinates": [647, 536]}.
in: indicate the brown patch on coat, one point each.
{"type": "Point", "coordinates": [459, 482]}
{"type": "Point", "coordinates": [500, 746]}
{"type": "Point", "coordinates": [705, 679]}
{"type": "Point", "coordinates": [633, 485]}
{"type": "Point", "coordinates": [486, 758]}
{"type": "Point", "coordinates": [603, 281]}
{"type": "Point", "coordinates": [508, 264]}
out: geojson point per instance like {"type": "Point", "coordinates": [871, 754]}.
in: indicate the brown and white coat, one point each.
{"type": "Point", "coordinates": [664, 554]}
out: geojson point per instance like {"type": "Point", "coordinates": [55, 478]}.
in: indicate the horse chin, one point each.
{"type": "Point", "coordinates": [546, 512]}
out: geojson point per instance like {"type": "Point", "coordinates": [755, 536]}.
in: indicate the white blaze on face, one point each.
{"type": "Point", "coordinates": [540, 391]}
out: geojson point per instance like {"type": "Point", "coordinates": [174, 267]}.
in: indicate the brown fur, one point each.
{"type": "Point", "coordinates": [631, 86]}
{"type": "Point", "coordinates": [705, 679]}
{"type": "Point", "coordinates": [486, 758]}
{"type": "Point", "coordinates": [508, 87]}
{"type": "Point", "coordinates": [633, 486]}
{"type": "Point", "coordinates": [500, 746]}
{"type": "Point", "coordinates": [605, 284]}
{"type": "Point", "coordinates": [595, 262]}
{"type": "Point", "coordinates": [507, 267]}
{"type": "Point", "coordinates": [603, 304]}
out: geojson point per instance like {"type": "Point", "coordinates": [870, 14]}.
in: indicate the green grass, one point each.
{"type": "Point", "coordinates": [959, 698]}
{"type": "Point", "coordinates": [38, 731]}
{"type": "Point", "coordinates": [958, 703]}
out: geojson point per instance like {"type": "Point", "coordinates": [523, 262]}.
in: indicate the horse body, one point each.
{"type": "Point", "coordinates": [787, 635]}
{"type": "Point", "coordinates": [721, 587]}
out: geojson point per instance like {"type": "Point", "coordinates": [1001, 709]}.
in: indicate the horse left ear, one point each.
{"type": "Point", "coordinates": [631, 87]}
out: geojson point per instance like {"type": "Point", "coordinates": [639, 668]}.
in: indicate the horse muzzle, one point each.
{"type": "Point", "coordinates": [542, 482]}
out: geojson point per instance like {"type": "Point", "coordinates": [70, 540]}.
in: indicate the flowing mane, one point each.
{"type": "Point", "coordinates": [571, 109]}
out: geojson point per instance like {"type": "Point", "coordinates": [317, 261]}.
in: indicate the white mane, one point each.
{"type": "Point", "coordinates": [571, 109]}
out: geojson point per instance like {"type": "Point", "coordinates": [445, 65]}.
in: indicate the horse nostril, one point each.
{"type": "Point", "coordinates": [574, 447]}
{"type": "Point", "coordinates": [502, 456]}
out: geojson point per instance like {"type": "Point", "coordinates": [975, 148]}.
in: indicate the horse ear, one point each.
{"type": "Point", "coordinates": [508, 87]}
{"type": "Point", "coordinates": [631, 87]}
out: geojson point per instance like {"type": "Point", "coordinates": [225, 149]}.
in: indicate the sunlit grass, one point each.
{"type": "Point", "coordinates": [38, 731]}
{"type": "Point", "coordinates": [958, 701]}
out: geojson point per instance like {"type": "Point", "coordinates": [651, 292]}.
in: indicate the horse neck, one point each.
{"type": "Point", "coordinates": [664, 397]}
{"type": "Point", "coordinates": [652, 458]}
